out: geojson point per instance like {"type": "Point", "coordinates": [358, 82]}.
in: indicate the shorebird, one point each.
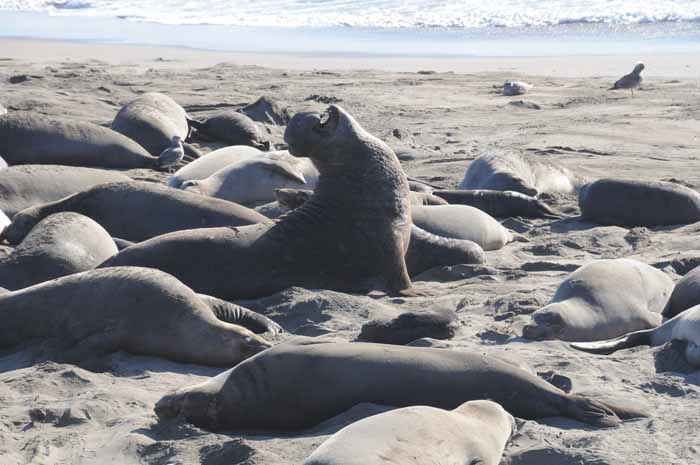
{"type": "Point", "coordinates": [631, 80]}
{"type": "Point", "coordinates": [173, 154]}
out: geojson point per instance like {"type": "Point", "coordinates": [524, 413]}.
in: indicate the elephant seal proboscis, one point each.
{"type": "Point", "coordinates": [59, 245]}
{"type": "Point", "coordinates": [685, 327]}
{"type": "Point", "coordinates": [685, 294]}
{"type": "Point", "coordinates": [361, 201]}
{"type": "Point", "coordinates": [231, 127]}
{"type": "Point", "coordinates": [137, 310]}
{"type": "Point", "coordinates": [138, 210]}
{"type": "Point", "coordinates": [603, 299]}
{"type": "Point", "coordinates": [237, 315]}
{"type": "Point", "coordinates": [624, 202]}
{"type": "Point", "coordinates": [500, 204]}
{"type": "Point", "coordinates": [27, 139]}
{"type": "Point", "coordinates": [270, 391]}
{"type": "Point", "coordinates": [516, 172]}
{"type": "Point", "coordinates": [475, 433]}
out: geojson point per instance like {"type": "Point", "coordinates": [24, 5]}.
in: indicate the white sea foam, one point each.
{"type": "Point", "coordinates": [374, 13]}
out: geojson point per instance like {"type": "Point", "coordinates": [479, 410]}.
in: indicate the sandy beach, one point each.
{"type": "Point", "coordinates": [438, 114]}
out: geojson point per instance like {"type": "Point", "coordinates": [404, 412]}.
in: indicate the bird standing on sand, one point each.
{"type": "Point", "coordinates": [173, 154]}
{"type": "Point", "coordinates": [631, 80]}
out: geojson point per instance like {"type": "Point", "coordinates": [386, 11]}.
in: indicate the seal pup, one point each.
{"type": "Point", "coordinates": [630, 81]}
{"type": "Point", "coordinates": [361, 202]}
{"type": "Point", "coordinates": [516, 172]}
{"type": "Point", "coordinates": [31, 139]}
{"type": "Point", "coordinates": [59, 245]}
{"type": "Point", "coordinates": [685, 327]}
{"type": "Point", "coordinates": [476, 432]}
{"type": "Point", "coordinates": [204, 167]}
{"type": "Point", "coordinates": [232, 128]}
{"type": "Point", "coordinates": [137, 310]}
{"type": "Point", "coordinates": [512, 88]}
{"type": "Point", "coordinates": [603, 299]}
{"type": "Point", "coordinates": [501, 204]}
{"type": "Point", "coordinates": [270, 391]}
{"type": "Point", "coordinates": [138, 210]}
{"type": "Point", "coordinates": [627, 202]}
{"type": "Point", "coordinates": [685, 294]}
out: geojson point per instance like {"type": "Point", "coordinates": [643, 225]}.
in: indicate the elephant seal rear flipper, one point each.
{"type": "Point", "coordinates": [638, 338]}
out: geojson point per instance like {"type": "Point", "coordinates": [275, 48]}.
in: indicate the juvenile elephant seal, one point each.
{"type": "Point", "coordinates": [685, 294]}
{"type": "Point", "coordinates": [361, 202]}
{"type": "Point", "coordinates": [270, 391]}
{"type": "Point", "coordinates": [603, 299]}
{"type": "Point", "coordinates": [25, 186]}
{"type": "Point", "coordinates": [631, 203]}
{"type": "Point", "coordinates": [684, 327]}
{"type": "Point", "coordinates": [474, 433]}
{"type": "Point", "coordinates": [137, 310]}
{"type": "Point", "coordinates": [27, 139]}
{"type": "Point", "coordinates": [512, 88]}
{"type": "Point", "coordinates": [516, 172]}
{"type": "Point", "coordinates": [138, 210]}
{"type": "Point", "coordinates": [209, 164]}
{"type": "Point", "coordinates": [232, 128]}
{"type": "Point", "coordinates": [501, 204]}
{"type": "Point", "coordinates": [409, 326]}
{"type": "Point", "coordinates": [62, 244]}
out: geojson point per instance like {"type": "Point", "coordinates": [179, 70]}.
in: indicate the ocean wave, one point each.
{"type": "Point", "coordinates": [375, 13]}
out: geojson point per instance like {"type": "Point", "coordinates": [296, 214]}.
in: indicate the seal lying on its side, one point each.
{"type": "Point", "coordinates": [686, 294]}
{"type": "Point", "coordinates": [137, 310]}
{"type": "Point", "coordinates": [475, 433]}
{"type": "Point", "coordinates": [603, 299]}
{"type": "Point", "coordinates": [684, 327]}
{"type": "Point", "coordinates": [62, 244]}
{"type": "Point", "coordinates": [232, 128]}
{"type": "Point", "coordinates": [501, 204]}
{"type": "Point", "coordinates": [138, 210]}
{"type": "Point", "coordinates": [207, 165]}
{"type": "Point", "coordinates": [516, 172]}
{"type": "Point", "coordinates": [624, 202]}
{"type": "Point", "coordinates": [271, 390]}
{"type": "Point", "coordinates": [27, 139]}
{"type": "Point", "coordinates": [351, 235]}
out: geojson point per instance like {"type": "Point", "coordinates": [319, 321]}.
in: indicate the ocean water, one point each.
{"type": "Point", "coordinates": [464, 14]}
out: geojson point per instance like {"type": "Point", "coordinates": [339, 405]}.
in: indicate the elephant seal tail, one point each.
{"type": "Point", "coordinates": [602, 414]}
{"type": "Point", "coordinates": [638, 338]}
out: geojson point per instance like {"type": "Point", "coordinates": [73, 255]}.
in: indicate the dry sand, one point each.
{"type": "Point", "coordinates": [61, 414]}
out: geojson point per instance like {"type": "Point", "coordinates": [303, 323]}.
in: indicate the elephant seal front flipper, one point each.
{"type": "Point", "coordinates": [237, 315]}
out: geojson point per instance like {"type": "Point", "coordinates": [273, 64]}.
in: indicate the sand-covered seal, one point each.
{"type": "Point", "coordinates": [409, 326]}
{"type": "Point", "coordinates": [138, 210]}
{"type": "Point", "coordinates": [501, 204]}
{"type": "Point", "coordinates": [204, 167]}
{"type": "Point", "coordinates": [351, 235]}
{"type": "Point", "coordinates": [31, 139]}
{"type": "Point", "coordinates": [685, 328]}
{"type": "Point", "coordinates": [137, 310]}
{"type": "Point", "coordinates": [519, 173]}
{"type": "Point", "coordinates": [628, 202]}
{"type": "Point", "coordinates": [603, 299]}
{"type": "Point", "coordinates": [59, 245]}
{"type": "Point", "coordinates": [475, 433]}
{"type": "Point", "coordinates": [685, 294]}
{"type": "Point", "coordinates": [270, 391]}
{"type": "Point", "coordinates": [25, 186]}
{"type": "Point", "coordinates": [231, 127]}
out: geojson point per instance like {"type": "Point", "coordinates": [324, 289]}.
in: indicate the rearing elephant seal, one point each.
{"type": "Point", "coordinates": [351, 235]}
{"type": "Point", "coordinates": [271, 390]}
{"type": "Point", "coordinates": [476, 432]}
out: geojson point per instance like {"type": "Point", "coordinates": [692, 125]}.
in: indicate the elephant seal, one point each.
{"type": "Point", "coordinates": [685, 327]}
{"type": "Point", "coordinates": [462, 222]}
{"type": "Point", "coordinates": [516, 172]}
{"type": "Point", "coordinates": [138, 210]}
{"type": "Point", "coordinates": [632, 203]}
{"type": "Point", "coordinates": [237, 315]}
{"type": "Point", "coordinates": [685, 294]}
{"type": "Point", "coordinates": [603, 299]}
{"type": "Point", "coordinates": [25, 186]}
{"type": "Point", "coordinates": [512, 88]}
{"type": "Point", "coordinates": [361, 202]}
{"type": "Point", "coordinates": [212, 162]}
{"type": "Point", "coordinates": [630, 81]}
{"type": "Point", "coordinates": [409, 326]}
{"type": "Point", "coordinates": [501, 204]}
{"type": "Point", "coordinates": [59, 245]}
{"type": "Point", "coordinates": [476, 432]}
{"type": "Point", "coordinates": [270, 390]}
{"type": "Point", "coordinates": [232, 128]}
{"type": "Point", "coordinates": [426, 199]}
{"type": "Point", "coordinates": [34, 140]}
{"type": "Point", "coordinates": [137, 310]}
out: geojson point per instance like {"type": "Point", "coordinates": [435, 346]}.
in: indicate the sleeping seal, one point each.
{"type": "Point", "coordinates": [204, 167]}
{"type": "Point", "coordinates": [361, 202]}
{"type": "Point", "coordinates": [684, 327]}
{"type": "Point", "coordinates": [270, 391]}
{"type": "Point", "coordinates": [62, 244]}
{"type": "Point", "coordinates": [603, 299]}
{"type": "Point", "coordinates": [232, 128]}
{"type": "Point", "coordinates": [686, 294]}
{"type": "Point", "coordinates": [136, 310]}
{"type": "Point", "coordinates": [28, 139]}
{"type": "Point", "coordinates": [474, 433]}
{"type": "Point", "coordinates": [501, 204]}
